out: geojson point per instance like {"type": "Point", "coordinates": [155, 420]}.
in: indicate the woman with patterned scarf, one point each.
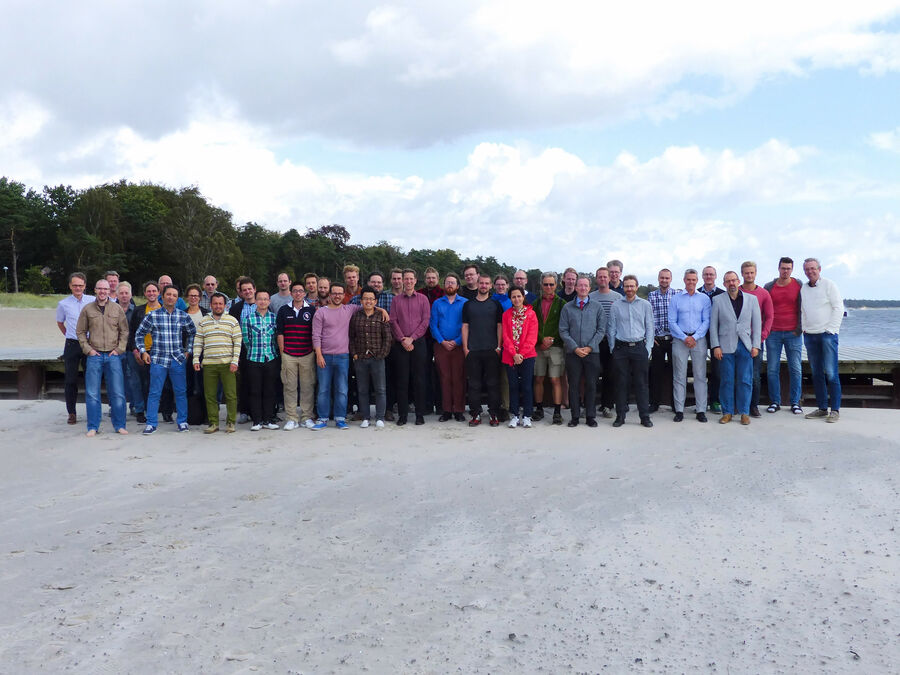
{"type": "Point", "coordinates": [520, 329]}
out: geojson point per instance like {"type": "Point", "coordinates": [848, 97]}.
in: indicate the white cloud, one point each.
{"type": "Point", "coordinates": [886, 140]}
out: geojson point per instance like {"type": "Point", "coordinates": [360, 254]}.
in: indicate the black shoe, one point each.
{"type": "Point", "coordinates": [168, 418]}
{"type": "Point", "coordinates": [573, 422]}
{"type": "Point", "coordinates": [445, 417]}
{"type": "Point", "coordinates": [494, 421]}
{"type": "Point", "coordinates": [701, 417]}
{"type": "Point", "coordinates": [389, 416]}
{"type": "Point", "coordinates": [140, 418]}
{"type": "Point", "coordinates": [591, 422]}
{"type": "Point", "coordinates": [754, 411]}
{"type": "Point", "coordinates": [420, 420]}
{"type": "Point", "coordinates": [503, 416]}
{"type": "Point", "coordinates": [459, 417]}
{"type": "Point", "coordinates": [654, 407]}
{"type": "Point", "coordinates": [619, 422]}
{"type": "Point", "coordinates": [646, 422]}
{"type": "Point", "coordinates": [538, 414]}
{"type": "Point", "coordinates": [401, 421]}
{"type": "Point", "coordinates": [557, 418]}
{"type": "Point", "coordinates": [679, 417]}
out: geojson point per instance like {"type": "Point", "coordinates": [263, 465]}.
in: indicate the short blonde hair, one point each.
{"type": "Point", "coordinates": [746, 264]}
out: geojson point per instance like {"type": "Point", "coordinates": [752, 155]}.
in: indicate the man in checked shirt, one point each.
{"type": "Point", "coordinates": [370, 343]}
{"type": "Point", "coordinates": [173, 338]}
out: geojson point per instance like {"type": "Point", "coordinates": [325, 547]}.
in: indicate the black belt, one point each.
{"type": "Point", "coordinates": [689, 334]}
{"type": "Point", "coordinates": [623, 343]}
{"type": "Point", "coordinates": [664, 338]}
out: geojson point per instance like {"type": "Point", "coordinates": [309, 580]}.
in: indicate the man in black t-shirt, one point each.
{"type": "Point", "coordinates": [481, 345]}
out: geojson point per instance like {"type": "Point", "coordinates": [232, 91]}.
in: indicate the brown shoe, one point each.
{"type": "Point", "coordinates": [211, 429]}
{"type": "Point", "coordinates": [72, 419]}
{"type": "Point", "coordinates": [745, 419]}
{"type": "Point", "coordinates": [724, 419]}
{"type": "Point", "coordinates": [229, 428]}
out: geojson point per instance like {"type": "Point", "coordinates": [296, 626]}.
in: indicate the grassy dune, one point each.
{"type": "Point", "coordinates": [29, 300]}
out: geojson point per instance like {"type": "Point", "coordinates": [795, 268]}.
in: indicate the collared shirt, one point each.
{"type": "Point", "coordinates": [170, 331]}
{"type": "Point", "coordinates": [218, 341]}
{"type": "Point", "coordinates": [710, 294]}
{"type": "Point", "coordinates": [67, 311]}
{"type": "Point", "coordinates": [205, 300]}
{"type": "Point", "coordinates": [432, 293]}
{"type": "Point", "coordinates": [370, 336]}
{"type": "Point", "coordinates": [503, 299]}
{"type": "Point", "coordinates": [409, 316]}
{"type": "Point", "coordinates": [630, 322]}
{"type": "Point", "coordinates": [689, 315]}
{"type": "Point", "coordinates": [446, 319]}
{"type": "Point", "coordinates": [620, 289]}
{"type": "Point", "coordinates": [103, 328]}
{"type": "Point", "coordinates": [294, 325]}
{"type": "Point", "coordinates": [659, 302]}
{"type": "Point", "coordinates": [278, 301]}
{"type": "Point", "coordinates": [258, 332]}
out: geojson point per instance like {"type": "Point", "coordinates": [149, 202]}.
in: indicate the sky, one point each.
{"type": "Point", "coordinates": [545, 134]}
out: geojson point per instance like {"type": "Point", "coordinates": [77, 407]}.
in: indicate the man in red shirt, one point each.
{"type": "Point", "coordinates": [786, 332]}
{"type": "Point", "coordinates": [748, 271]}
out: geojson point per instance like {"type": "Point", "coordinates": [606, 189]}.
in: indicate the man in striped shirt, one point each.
{"type": "Point", "coordinates": [173, 332]}
{"type": "Point", "coordinates": [293, 330]}
{"type": "Point", "coordinates": [217, 349]}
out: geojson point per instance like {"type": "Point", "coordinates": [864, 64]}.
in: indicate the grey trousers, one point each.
{"type": "Point", "coordinates": [680, 354]}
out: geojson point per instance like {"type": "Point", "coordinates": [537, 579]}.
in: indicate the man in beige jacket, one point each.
{"type": "Point", "coordinates": [103, 336]}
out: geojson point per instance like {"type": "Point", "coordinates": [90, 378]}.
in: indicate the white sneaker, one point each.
{"type": "Point", "coordinates": [271, 426]}
{"type": "Point", "coordinates": [526, 422]}
{"type": "Point", "coordinates": [513, 422]}
{"type": "Point", "coordinates": [256, 427]}
{"type": "Point", "coordinates": [309, 424]}
{"type": "Point", "coordinates": [290, 425]}
{"type": "Point", "coordinates": [379, 424]}
{"type": "Point", "coordinates": [364, 424]}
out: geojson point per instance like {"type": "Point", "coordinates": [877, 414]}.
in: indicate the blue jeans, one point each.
{"type": "Point", "coordinates": [333, 377]}
{"type": "Point", "coordinates": [158, 374]}
{"type": "Point", "coordinates": [520, 379]}
{"type": "Point", "coordinates": [736, 367]}
{"type": "Point", "coordinates": [822, 352]}
{"type": "Point", "coordinates": [792, 347]}
{"type": "Point", "coordinates": [134, 393]}
{"type": "Point", "coordinates": [110, 368]}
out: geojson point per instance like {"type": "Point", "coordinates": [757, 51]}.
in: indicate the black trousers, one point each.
{"type": "Point", "coordinates": [589, 368]}
{"type": "Point", "coordinates": [483, 372]}
{"type": "Point", "coordinates": [413, 365]}
{"type": "Point", "coordinates": [608, 376]}
{"type": "Point", "coordinates": [73, 358]}
{"type": "Point", "coordinates": [631, 364]}
{"type": "Point", "coordinates": [661, 371]}
{"type": "Point", "coordinates": [261, 379]}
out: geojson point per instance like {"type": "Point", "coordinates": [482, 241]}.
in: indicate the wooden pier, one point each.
{"type": "Point", "coordinates": [870, 376]}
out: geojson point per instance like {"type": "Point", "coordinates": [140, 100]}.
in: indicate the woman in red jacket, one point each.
{"type": "Point", "coordinates": [520, 329]}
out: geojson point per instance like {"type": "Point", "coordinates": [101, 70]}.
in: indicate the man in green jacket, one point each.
{"type": "Point", "coordinates": [551, 359]}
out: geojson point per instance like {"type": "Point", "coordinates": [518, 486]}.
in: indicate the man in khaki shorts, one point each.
{"type": "Point", "coordinates": [551, 359]}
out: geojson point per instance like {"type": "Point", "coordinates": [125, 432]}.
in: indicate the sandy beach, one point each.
{"type": "Point", "coordinates": [702, 548]}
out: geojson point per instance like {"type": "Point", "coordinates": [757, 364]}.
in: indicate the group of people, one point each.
{"type": "Point", "coordinates": [321, 345]}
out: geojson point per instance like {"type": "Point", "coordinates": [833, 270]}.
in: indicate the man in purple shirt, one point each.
{"type": "Point", "coordinates": [410, 314]}
{"type": "Point", "coordinates": [331, 342]}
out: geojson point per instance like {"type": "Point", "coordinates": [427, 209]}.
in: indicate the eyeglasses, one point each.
{"type": "Point", "coordinates": [550, 284]}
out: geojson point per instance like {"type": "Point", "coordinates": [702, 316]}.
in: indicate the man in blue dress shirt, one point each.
{"type": "Point", "coordinates": [629, 332]}
{"type": "Point", "coordinates": [688, 324]}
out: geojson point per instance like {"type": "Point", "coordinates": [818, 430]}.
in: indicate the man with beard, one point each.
{"type": "Point", "coordinates": [446, 329]}
{"type": "Point", "coordinates": [481, 335]}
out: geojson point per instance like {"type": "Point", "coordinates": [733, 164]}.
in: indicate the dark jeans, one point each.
{"type": "Point", "coordinates": [757, 368]}
{"type": "Point", "coordinates": [521, 380]}
{"type": "Point", "coordinates": [660, 370]}
{"type": "Point", "coordinates": [712, 390]}
{"type": "Point", "coordinates": [608, 376]}
{"type": "Point", "coordinates": [483, 372]}
{"type": "Point", "coordinates": [371, 370]}
{"type": "Point", "coordinates": [73, 358]}
{"type": "Point", "coordinates": [408, 365]}
{"type": "Point", "coordinates": [261, 379]}
{"type": "Point", "coordinates": [631, 365]}
{"type": "Point", "coordinates": [589, 368]}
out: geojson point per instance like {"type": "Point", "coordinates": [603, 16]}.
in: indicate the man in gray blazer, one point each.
{"type": "Point", "coordinates": [734, 335]}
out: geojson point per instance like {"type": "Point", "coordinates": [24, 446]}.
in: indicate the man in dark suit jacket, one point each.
{"type": "Point", "coordinates": [735, 328]}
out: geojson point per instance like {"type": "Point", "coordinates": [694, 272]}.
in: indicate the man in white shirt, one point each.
{"type": "Point", "coordinates": [821, 313]}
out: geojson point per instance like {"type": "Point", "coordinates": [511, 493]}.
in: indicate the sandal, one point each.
{"type": "Point", "coordinates": [796, 409]}
{"type": "Point", "coordinates": [774, 408]}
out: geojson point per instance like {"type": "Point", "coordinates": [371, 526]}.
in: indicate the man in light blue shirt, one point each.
{"type": "Point", "coordinates": [67, 312]}
{"type": "Point", "coordinates": [688, 324]}
{"type": "Point", "coordinates": [629, 332]}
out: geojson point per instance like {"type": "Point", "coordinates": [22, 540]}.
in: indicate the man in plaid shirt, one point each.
{"type": "Point", "coordinates": [258, 332]}
{"type": "Point", "coordinates": [173, 332]}
{"type": "Point", "coordinates": [661, 357]}
{"type": "Point", "coordinates": [370, 343]}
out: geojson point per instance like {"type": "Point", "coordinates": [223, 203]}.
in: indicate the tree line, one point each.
{"type": "Point", "coordinates": [143, 230]}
